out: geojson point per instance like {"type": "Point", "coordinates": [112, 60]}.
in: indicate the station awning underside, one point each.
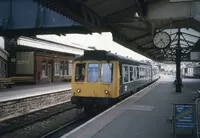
{"type": "Point", "coordinates": [133, 23]}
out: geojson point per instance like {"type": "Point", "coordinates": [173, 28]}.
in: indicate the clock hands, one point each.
{"type": "Point", "coordinates": [163, 42]}
{"type": "Point", "coordinates": [159, 42]}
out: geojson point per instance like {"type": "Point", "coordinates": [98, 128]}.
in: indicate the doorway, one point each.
{"type": "Point", "coordinates": [50, 71]}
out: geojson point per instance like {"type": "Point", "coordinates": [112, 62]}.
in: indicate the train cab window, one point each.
{"type": "Point", "coordinates": [106, 72]}
{"type": "Point", "coordinates": [93, 72]}
{"type": "Point", "coordinates": [131, 73]}
{"type": "Point", "coordinates": [80, 72]}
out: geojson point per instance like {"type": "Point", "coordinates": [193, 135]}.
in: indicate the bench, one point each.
{"type": "Point", "coordinates": [6, 82]}
{"type": "Point", "coordinates": [67, 78]}
{"type": "Point", "coordinates": [23, 79]}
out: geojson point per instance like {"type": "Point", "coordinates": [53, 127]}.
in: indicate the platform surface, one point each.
{"type": "Point", "coordinates": [19, 92]}
{"type": "Point", "coordinates": [144, 115]}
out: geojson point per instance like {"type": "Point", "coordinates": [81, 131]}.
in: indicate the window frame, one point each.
{"type": "Point", "coordinates": [112, 71]}
{"type": "Point", "coordinates": [135, 73]}
{"type": "Point", "coordinates": [44, 75]}
{"type": "Point", "coordinates": [56, 63]}
{"type": "Point", "coordinates": [78, 81]}
{"type": "Point", "coordinates": [87, 65]}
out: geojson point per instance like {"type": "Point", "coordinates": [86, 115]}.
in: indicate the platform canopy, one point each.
{"type": "Point", "coordinates": [133, 23]}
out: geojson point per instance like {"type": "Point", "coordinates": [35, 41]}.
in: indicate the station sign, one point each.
{"type": "Point", "coordinates": [197, 116]}
{"type": "Point", "coordinates": [184, 116]}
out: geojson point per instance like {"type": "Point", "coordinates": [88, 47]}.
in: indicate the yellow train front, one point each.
{"type": "Point", "coordinates": [99, 78]}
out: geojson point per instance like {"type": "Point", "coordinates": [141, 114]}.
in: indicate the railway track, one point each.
{"type": "Point", "coordinates": [67, 127]}
{"type": "Point", "coordinates": [20, 122]}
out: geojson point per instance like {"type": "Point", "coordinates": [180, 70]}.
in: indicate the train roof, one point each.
{"type": "Point", "coordinates": [104, 55]}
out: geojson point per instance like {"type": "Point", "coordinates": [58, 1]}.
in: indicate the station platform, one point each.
{"type": "Point", "coordinates": [146, 114]}
{"type": "Point", "coordinates": [20, 92]}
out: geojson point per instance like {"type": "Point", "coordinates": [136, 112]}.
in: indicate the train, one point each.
{"type": "Point", "coordinates": [101, 78]}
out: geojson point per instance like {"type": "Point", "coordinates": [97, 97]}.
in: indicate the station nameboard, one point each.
{"type": "Point", "coordinates": [184, 116]}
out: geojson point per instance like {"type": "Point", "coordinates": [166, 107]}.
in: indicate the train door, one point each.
{"type": "Point", "coordinates": [50, 71]}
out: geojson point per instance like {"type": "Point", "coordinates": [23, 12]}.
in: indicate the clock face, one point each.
{"type": "Point", "coordinates": [162, 40]}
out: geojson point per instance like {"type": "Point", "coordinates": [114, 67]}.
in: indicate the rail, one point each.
{"type": "Point", "coordinates": [61, 128]}
{"type": "Point", "coordinates": [31, 118]}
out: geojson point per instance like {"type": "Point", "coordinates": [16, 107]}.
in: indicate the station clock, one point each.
{"type": "Point", "coordinates": [161, 40]}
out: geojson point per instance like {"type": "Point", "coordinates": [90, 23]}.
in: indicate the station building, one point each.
{"type": "Point", "coordinates": [38, 61]}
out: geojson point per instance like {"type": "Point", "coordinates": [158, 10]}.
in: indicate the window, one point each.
{"type": "Point", "coordinates": [70, 68]}
{"type": "Point", "coordinates": [135, 73]}
{"type": "Point", "coordinates": [142, 72]}
{"type": "Point", "coordinates": [131, 73]}
{"type": "Point", "coordinates": [186, 70]}
{"type": "Point", "coordinates": [106, 72]}
{"type": "Point", "coordinates": [125, 73]}
{"type": "Point", "coordinates": [57, 68]}
{"type": "Point", "coordinates": [138, 73]}
{"type": "Point", "coordinates": [93, 71]}
{"type": "Point", "coordinates": [61, 68]}
{"type": "Point", "coordinates": [44, 69]}
{"type": "Point", "coordinates": [80, 72]}
{"type": "Point", "coordinates": [66, 68]}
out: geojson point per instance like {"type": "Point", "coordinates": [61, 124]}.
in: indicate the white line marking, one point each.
{"type": "Point", "coordinates": [94, 118]}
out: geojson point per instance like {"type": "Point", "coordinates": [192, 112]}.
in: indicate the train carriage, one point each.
{"type": "Point", "coordinates": [99, 78]}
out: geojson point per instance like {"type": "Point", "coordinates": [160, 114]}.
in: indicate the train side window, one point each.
{"type": "Point", "coordinates": [80, 72]}
{"type": "Point", "coordinates": [125, 72]}
{"type": "Point", "coordinates": [138, 73]}
{"type": "Point", "coordinates": [135, 73]}
{"type": "Point", "coordinates": [131, 73]}
{"type": "Point", "coordinates": [106, 72]}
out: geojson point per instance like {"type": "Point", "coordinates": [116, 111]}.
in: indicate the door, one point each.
{"type": "Point", "coordinates": [50, 71]}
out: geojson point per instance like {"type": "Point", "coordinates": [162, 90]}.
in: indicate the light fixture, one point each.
{"type": "Point", "coordinates": [136, 14]}
{"type": "Point", "coordinates": [78, 90]}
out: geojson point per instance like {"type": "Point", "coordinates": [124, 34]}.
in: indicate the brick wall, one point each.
{"type": "Point", "coordinates": [10, 109]}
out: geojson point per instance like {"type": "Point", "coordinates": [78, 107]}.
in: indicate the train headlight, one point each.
{"type": "Point", "coordinates": [78, 90]}
{"type": "Point", "coordinates": [106, 92]}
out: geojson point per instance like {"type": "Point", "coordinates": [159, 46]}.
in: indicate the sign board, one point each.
{"type": "Point", "coordinates": [184, 116]}
{"type": "Point", "coordinates": [198, 116]}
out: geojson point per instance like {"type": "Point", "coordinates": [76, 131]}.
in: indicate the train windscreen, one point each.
{"type": "Point", "coordinates": [105, 70]}
{"type": "Point", "coordinates": [106, 73]}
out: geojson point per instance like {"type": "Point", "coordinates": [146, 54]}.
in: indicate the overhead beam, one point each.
{"type": "Point", "coordinates": [190, 35]}
{"type": "Point", "coordinates": [77, 11]}
{"type": "Point", "coordinates": [150, 33]}
{"type": "Point", "coordinates": [132, 27]}
{"type": "Point", "coordinates": [139, 37]}
{"type": "Point", "coordinates": [24, 17]}
{"type": "Point", "coordinates": [123, 12]}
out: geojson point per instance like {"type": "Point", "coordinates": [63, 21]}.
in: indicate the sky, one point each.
{"type": "Point", "coordinates": [102, 41]}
